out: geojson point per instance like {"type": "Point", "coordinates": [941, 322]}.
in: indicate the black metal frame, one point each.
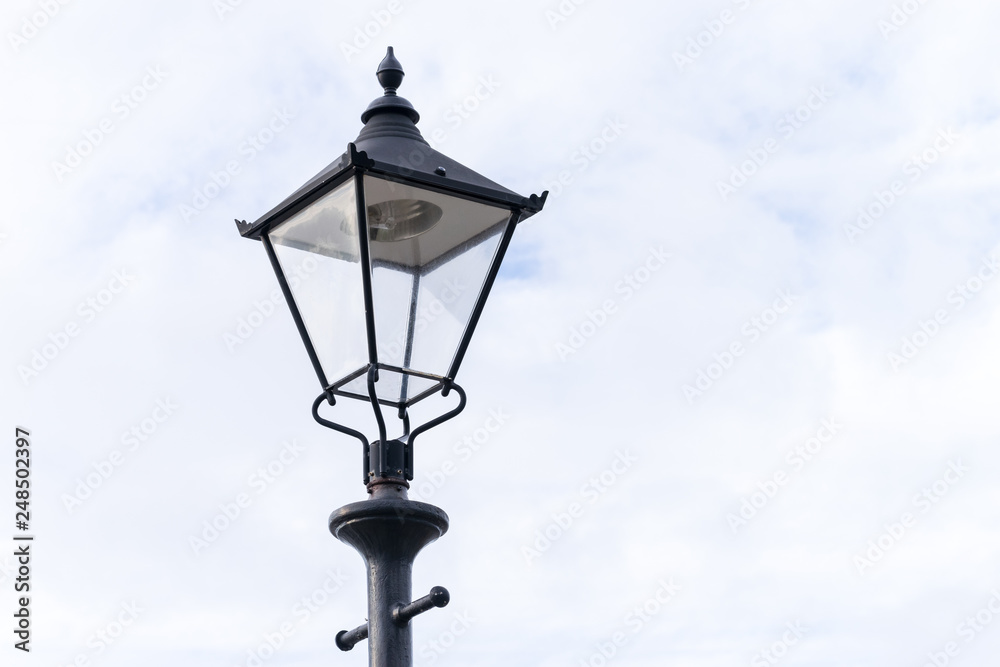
{"type": "Point", "coordinates": [354, 161]}
{"type": "Point", "coordinates": [296, 315]}
{"type": "Point", "coordinates": [356, 164]}
{"type": "Point", "coordinates": [477, 310]}
{"type": "Point", "coordinates": [375, 461]}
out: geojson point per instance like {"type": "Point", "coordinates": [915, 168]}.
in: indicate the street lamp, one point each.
{"type": "Point", "coordinates": [404, 244]}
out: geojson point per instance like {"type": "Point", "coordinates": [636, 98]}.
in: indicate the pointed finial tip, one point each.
{"type": "Point", "coordinates": [390, 72]}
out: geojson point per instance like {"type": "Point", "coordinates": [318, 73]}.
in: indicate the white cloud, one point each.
{"type": "Point", "coordinates": [654, 185]}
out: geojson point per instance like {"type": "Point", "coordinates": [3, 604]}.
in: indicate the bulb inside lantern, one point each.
{"type": "Point", "coordinates": [401, 219]}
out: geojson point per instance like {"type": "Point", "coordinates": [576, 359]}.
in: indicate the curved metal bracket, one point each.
{"type": "Point", "coordinates": [335, 426]}
{"type": "Point", "coordinates": [342, 429]}
{"type": "Point", "coordinates": [409, 436]}
{"type": "Point", "coordinates": [443, 418]}
{"type": "Point", "coordinates": [372, 378]}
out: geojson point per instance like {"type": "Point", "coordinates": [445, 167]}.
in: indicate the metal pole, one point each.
{"type": "Point", "coordinates": [388, 530]}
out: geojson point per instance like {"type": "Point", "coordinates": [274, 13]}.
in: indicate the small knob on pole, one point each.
{"type": "Point", "coordinates": [346, 639]}
{"type": "Point", "coordinates": [438, 597]}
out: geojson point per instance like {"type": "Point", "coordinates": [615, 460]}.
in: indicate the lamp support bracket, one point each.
{"type": "Point", "coordinates": [385, 460]}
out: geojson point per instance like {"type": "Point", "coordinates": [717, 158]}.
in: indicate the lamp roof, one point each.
{"type": "Point", "coordinates": [390, 144]}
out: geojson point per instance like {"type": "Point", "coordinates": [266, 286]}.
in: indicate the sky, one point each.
{"type": "Point", "coordinates": [732, 400]}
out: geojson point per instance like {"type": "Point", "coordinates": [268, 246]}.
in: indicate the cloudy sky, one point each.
{"type": "Point", "coordinates": [733, 401]}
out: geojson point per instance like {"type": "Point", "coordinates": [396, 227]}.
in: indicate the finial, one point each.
{"type": "Point", "coordinates": [390, 73]}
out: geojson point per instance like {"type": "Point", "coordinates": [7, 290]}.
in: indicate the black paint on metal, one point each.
{"type": "Point", "coordinates": [343, 429]}
{"type": "Point", "coordinates": [299, 323]}
{"type": "Point", "coordinates": [483, 294]}
{"type": "Point", "coordinates": [380, 420]}
{"type": "Point", "coordinates": [438, 420]}
{"type": "Point", "coordinates": [346, 639]}
{"type": "Point", "coordinates": [366, 267]}
{"type": "Point", "coordinates": [388, 530]}
{"type": "Point", "coordinates": [438, 597]}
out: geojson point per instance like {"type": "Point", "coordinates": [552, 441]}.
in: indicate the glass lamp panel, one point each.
{"type": "Point", "coordinates": [430, 255]}
{"type": "Point", "coordinates": [391, 386]}
{"type": "Point", "coordinates": [393, 293]}
{"type": "Point", "coordinates": [319, 252]}
{"type": "Point", "coordinates": [448, 294]}
{"type": "Point", "coordinates": [392, 315]}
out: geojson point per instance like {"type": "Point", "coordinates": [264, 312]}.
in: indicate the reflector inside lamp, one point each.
{"type": "Point", "coordinates": [401, 219]}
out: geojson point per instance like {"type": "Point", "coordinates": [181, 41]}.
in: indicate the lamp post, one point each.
{"type": "Point", "coordinates": [406, 243]}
